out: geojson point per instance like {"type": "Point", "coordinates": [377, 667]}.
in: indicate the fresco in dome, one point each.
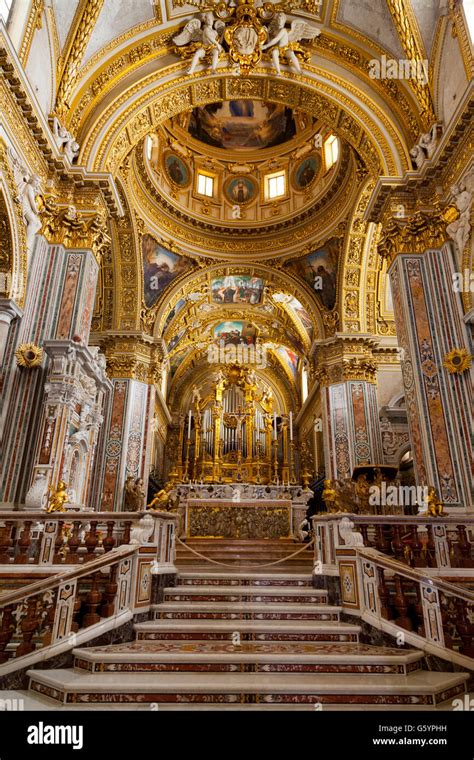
{"type": "Point", "coordinates": [175, 339]}
{"type": "Point", "coordinates": [160, 268]}
{"type": "Point", "coordinates": [296, 308]}
{"type": "Point", "coordinates": [237, 289]}
{"type": "Point", "coordinates": [319, 269]}
{"type": "Point", "coordinates": [174, 311]}
{"type": "Point", "coordinates": [236, 333]}
{"type": "Point", "coordinates": [242, 124]}
{"type": "Point", "coordinates": [290, 360]}
{"type": "Point", "coordinates": [177, 359]}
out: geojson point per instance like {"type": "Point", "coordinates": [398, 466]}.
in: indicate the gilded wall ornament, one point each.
{"type": "Point", "coordinates": [29, 355]}
{"type": "Point", "coordinates": [457, 361]}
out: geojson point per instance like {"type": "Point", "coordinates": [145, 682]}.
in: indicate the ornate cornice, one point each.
{"type": "Point", "coordinates": [133, 357]}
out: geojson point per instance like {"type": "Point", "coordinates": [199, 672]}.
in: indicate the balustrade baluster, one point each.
{"type": "Point", "coordinates": [364, 529]}
{"type": "Point", "coordinates": [110, 592]}
{"type": "Point", "coordinates": [397, 544]}
{"type": "Point", "coordinates": [382, 544]}
{"type": "Point", "coordinates": [416, 546]}
{"type": "Point", "coordinates": [109, 541]}
{"type": "Point", "coordinates": [418, 607]}
{"type": "Point", "coordinates": [6, 632]}
{"type": "Point", "coordinates": [384, 595]}
{"type": "Point", "coordinates": [92, 540]}
{"type": "Point", "coordinates": [6, 542]}
{"type": "Point", "coordinates": [126, 532]}
{"type": "Point", "coordinates": [28, 626]}
{"type": "Point", "coordinates": [401, 605]}
{"type": "Point", "coordinates": [59, 543]}
{"type": "Point", "coordinates": [431, 548]}
{"type": "Point", "coordinates": [74, 543]}
{"type": "Point", "coordinates": [24, 543]}
{"type": "Point", "coordinates": [93, 599]}
{"type": "Point", "coordinates": [465, 627]}
{"type": "Point", "coordinates": [464, 547]}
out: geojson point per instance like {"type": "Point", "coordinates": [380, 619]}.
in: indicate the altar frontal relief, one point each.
{"type": "Point", "coordinates": [238, 521]}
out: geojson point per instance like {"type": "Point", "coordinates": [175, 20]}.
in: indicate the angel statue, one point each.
{"type": "Point", "coordinates": [202, 37]}
{"type": "Point", "coordinates": [283, 40]}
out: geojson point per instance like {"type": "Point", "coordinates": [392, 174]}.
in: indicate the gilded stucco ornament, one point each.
{"type": "Point", "coordinates": [242, 32]}
{"type": "Point", "coordinates": [29, 355]}
{"type": "Point", "coordinates": [457, 361]}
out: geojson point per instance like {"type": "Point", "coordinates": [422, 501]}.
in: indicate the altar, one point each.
{"type": "Point", "coordinates": [241, 511]}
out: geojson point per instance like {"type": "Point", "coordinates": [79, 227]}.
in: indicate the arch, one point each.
{"type": "Point", "coordinates": [13, 257]}
{"type": "Point", "coordinates": [345, 108]}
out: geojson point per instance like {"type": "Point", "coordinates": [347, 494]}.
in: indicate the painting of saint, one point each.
{"type": "Point", "coordinates": [306, 172]}
{"type": "Point", "coordinates": [237, 289]}
{"type": "Point", "coordinates": [236, 333]}
{"type": "Point", "coordinates": [240, 190]}
{"type": "Point", "coordinates": [160, 268]}
{"type": "Point", "coordinates": [319, 270]}
{"type": "Point", "coordinates": [242, 124]}
{"type": "Point", "coordinates": [177, 170]}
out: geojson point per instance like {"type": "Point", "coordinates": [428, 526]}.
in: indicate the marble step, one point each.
{"type": "Point", "coordinates": [279, 595]}
{"type": "Point", "coordinates": [77, 687]}
{"type": "Point", "coordinates": [217, 578]}
{"type": "Point", "coordinates": [243, 611]}
{"type": "Point", "coordinates": [33, 701]}
{"type": "Point", "coordinates": [247, 630]}
{"type": "Point", "coordinates": [248, 657]}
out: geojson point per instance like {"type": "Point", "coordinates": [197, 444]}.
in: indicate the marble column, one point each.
{"type": "Point", "coordinates": [351, 427]}
{"type": "Point", "coordinates": [58, 306]}
{"type": "Point", "coordinates": [71, 418]}
{"type": "Point", "coordinates": [8, 312]}
{"type": "Point", "coordinates": [430, 324]}
{"type": "Point", "coordinates": [128, 437]}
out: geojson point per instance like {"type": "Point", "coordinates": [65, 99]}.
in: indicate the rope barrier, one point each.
{"type": "Point", "coordinates": [225, 564]}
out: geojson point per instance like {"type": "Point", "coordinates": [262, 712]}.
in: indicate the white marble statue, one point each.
{"type": "Point", "coordinates": [280, 39]}
{"type": "Point", "coordinates": [425, 147]}
{"type": "Point", "coordinates": [459, 229]}
{"type": "Point", "coordinates": [28, 187]}
{"type": "Point", "coordinates": [31, 189]}
{"type": "Point", "coordinates": [65, 141]}
{"type": "Point", "coordinates": [207, 33]}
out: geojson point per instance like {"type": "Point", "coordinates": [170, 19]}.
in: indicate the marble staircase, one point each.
{"type": "Point", "coordinates": [251, 553]}
{"type": "Point", "coordinates": [243, 640]}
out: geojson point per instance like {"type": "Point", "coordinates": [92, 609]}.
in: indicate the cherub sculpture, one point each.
{"type": "Point", "coordinates": [58, 497]}
{"type": "Point", "coordinates": [435, 506]}
{"type": "Point", "coordinates": [203, 38]}
{"type": "Point", "coordinates": [282, 40]}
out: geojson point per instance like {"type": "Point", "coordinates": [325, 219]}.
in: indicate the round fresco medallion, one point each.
{"type": "Point", "coordinates": [240, 190]}
{"type": "Point", "coordinates": [305, 172]}
{"type": "Point", "coordinates": [177, 170]}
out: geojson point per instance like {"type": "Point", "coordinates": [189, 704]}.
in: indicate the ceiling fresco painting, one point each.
{"type": "Point", "coordinates": [242, 124]}
{"type": "Point", "coordinates": [160, 268]}
{"type": "Point", "coordinates": [237, 289]}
